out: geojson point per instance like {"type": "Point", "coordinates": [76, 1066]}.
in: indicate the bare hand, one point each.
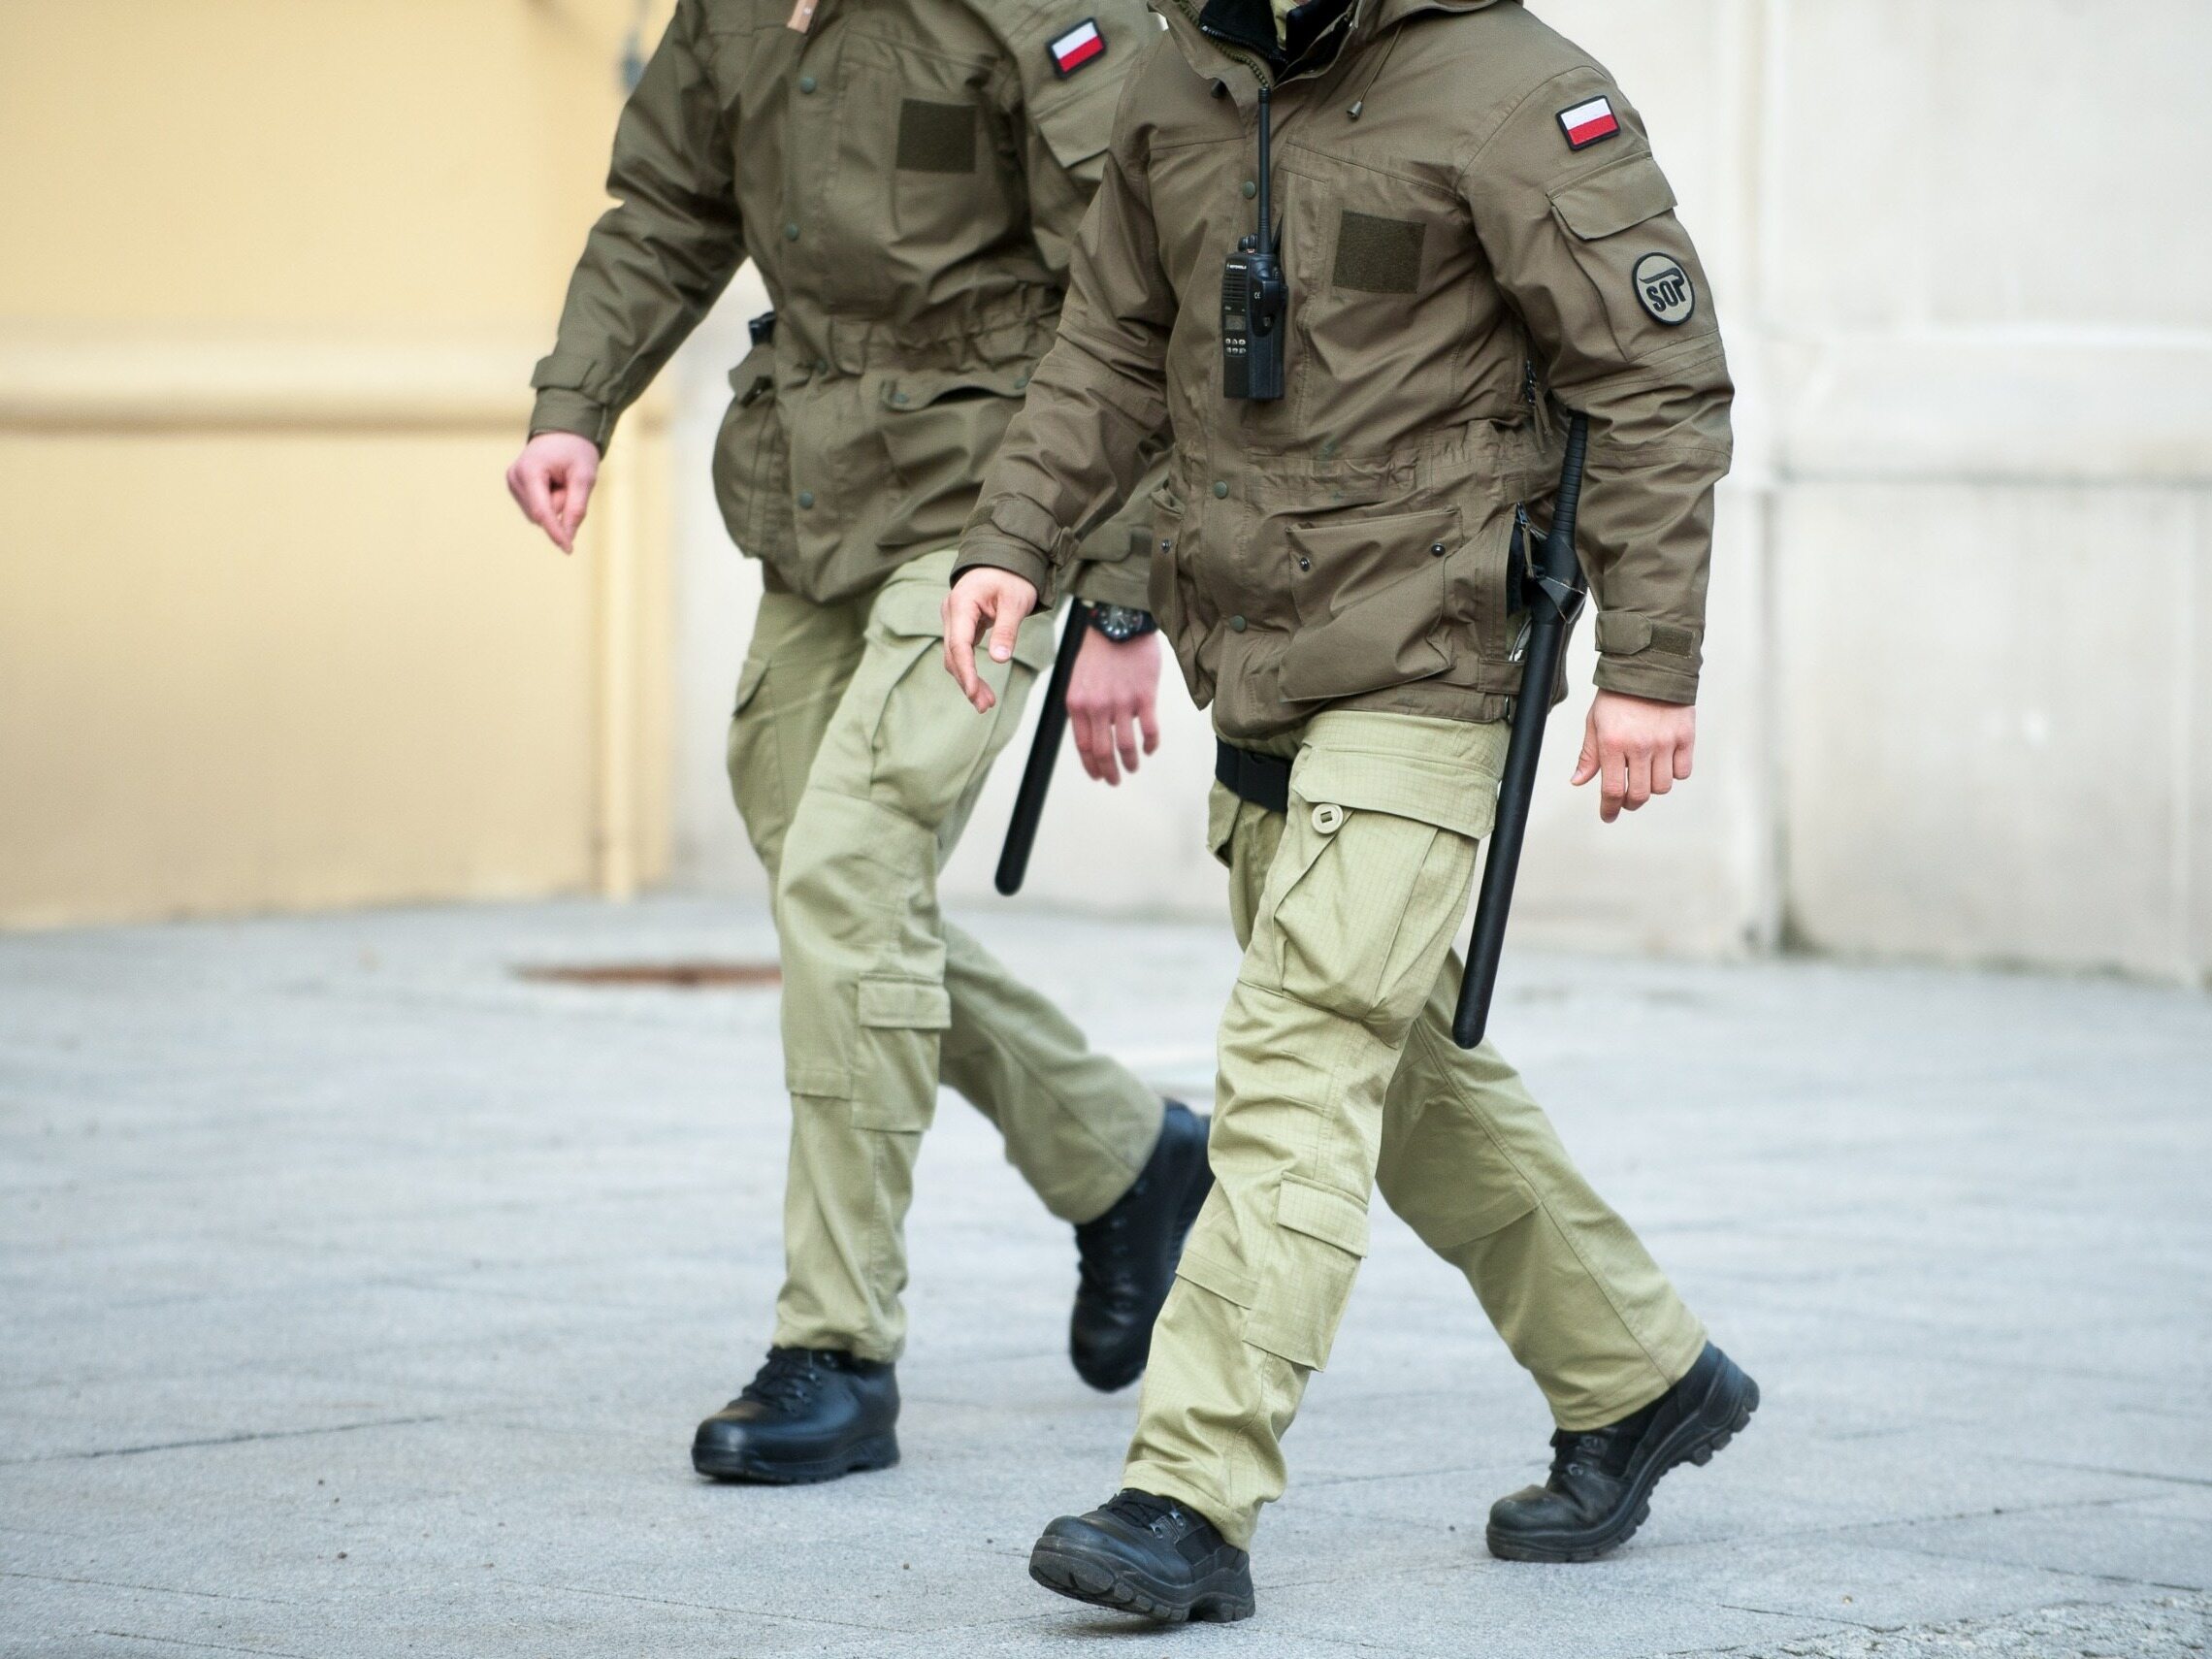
{"type": "Point", "coordinates": [983, 595]}
{"type": "Point", "coordinates": [1110, 697]}
{"type": "Point", "coordinates": [551, 480]}
{"type": "Point", "coordinates": [1639, 747]}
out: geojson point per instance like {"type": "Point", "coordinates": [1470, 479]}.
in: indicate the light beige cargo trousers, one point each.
{"type": "Point", "coordinates": [856, 761]}
{"type": "Point", "coordinates": [1338, 1073]}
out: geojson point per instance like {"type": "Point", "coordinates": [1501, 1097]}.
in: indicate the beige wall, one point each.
{"type": "Point", "coordinates": [270, 633]}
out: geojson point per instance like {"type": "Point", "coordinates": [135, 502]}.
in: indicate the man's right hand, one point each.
{"type": "Point", "coordinates": [983, 596]}
{"type": "Point", "coordinates": [551, 480]}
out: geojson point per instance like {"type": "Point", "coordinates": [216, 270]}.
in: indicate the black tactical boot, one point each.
{"type": "Point", "coordinates": [1128, 1255]}
{"type": "Point", "coordinates": [1600, 1489]}
{"type": "Point", "coordinates": [810, 1415]}
{"type": "Point", "coordinates": [1146, 1555]}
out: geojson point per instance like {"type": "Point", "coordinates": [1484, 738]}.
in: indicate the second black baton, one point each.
{"type": "Point", "coordinates": [1044, 751]}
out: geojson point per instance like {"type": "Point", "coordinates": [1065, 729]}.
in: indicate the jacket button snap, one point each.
{"type": "Point", "coordinates": [806, 83]}
{"type": "Point", "coordinates": [1020, 382]}
{"type": "Point", "coordinates": [898, 397]}
{"type": "Point", "coordinates": [1250, 190]}
{"type": "Point", "coordinates": [1236, 625]}
{"type": "Point", "coordinates": [821, 365]}
{"type": "Point", "coordinates": [807, 498]}
{"type": "Point", "coordinates": [1436, 548]}
{"type": "Point", "coordinates": [1221, 492]}
{"type": "Point", "coordinates": [791, 233]}
{"type": "Point", "coordinates": [1328, 820]}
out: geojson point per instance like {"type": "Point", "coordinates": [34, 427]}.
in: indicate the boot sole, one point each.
{"type": "Point", "coordinates": [1694, 1442]}
{"type": "Point", "coordinates": [1187, 1206]}
{"type": "Point", "coordinates": [1222, 1598]}
{"type": "Point", "coordinates": [877, 1452]}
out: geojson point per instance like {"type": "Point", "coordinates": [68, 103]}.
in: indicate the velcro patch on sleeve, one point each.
{"type": "Point", "coordinates": [1081, 44]}
{"type": "Point", "coordinates": [1586, 124]}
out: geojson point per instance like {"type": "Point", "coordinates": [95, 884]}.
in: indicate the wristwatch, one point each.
{"type": "Point", "coordinates": [1122, 623]}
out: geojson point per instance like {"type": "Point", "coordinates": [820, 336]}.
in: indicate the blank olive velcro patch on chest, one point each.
{"type": "Point", "coordinates": [936, 137]}
{"type": "Point", "coordinates": [1379, 256]}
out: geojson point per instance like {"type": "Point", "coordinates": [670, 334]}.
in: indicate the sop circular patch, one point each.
{"type": "Point", "coordinates": [1664, 289]}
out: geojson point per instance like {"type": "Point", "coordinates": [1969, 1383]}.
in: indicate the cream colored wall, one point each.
{"type": "Point", "coordinates": [270, 634]}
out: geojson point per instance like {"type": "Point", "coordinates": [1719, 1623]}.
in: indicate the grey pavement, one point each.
{"type": "Point", "coordinates": [358, 1297]}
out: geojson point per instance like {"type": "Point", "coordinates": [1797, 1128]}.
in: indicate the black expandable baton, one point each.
{"type": "Point", "coordinates": [1044, 750]}
{"type": "Point", "coordinates": [1551, 587]}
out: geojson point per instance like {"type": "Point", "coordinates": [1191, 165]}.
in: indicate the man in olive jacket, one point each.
{"type": "Point", "coordinates": [907, 175]}
{"type": "Point", "coordinates": [1476, 239]}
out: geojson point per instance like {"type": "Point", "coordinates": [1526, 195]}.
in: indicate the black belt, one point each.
{"type": "Point", "coordinates": [1264, 780]}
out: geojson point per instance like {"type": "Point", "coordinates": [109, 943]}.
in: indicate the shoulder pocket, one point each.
{"type": "Point", "coordinates": [1617, 198]}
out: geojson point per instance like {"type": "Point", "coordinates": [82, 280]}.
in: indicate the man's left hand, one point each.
{"type": "Point", "coordinates": [1638, 747]}
{"type": "Point", "coordinates": [1111, 699]}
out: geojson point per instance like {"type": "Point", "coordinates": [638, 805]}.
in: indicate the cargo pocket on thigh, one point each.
{"type": "Point", "coordinates": [1361, 933]}
{"type": "Point", "coordinates": [927, 748]}
{"type": "Point", "coordinates": [1321, 1238]}
{"type": "Point", "coordinates": [895, 1077]}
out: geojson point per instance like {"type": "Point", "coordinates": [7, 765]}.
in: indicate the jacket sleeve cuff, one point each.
{"type": "Point", "coordinates": [999, 552]}
{"type": "Point", "coordinates": [558, 409]}
{"type": "Point", "coordinates": [1639, 657]}
{"type": "Point", "coordinates": [1125, 581]}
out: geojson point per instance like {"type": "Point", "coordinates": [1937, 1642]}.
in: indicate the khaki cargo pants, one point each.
{"type": "Point", "coordinates": [1338, 1073]}
{"type": "Point", "coordinates": [856, 761]}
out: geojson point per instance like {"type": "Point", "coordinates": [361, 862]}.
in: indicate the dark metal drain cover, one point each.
{"type": "Point", "coordinates": [672, 976]}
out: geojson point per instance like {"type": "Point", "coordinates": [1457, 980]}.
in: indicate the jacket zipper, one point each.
{"type": "Point", "coordinates": [1257, 65]}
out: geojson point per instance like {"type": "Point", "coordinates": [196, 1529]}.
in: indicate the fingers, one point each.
{"type": "Point", "coordinates": [1126, 740]}
{"type": "Point", "coordinates": [532, 487]}
{"type": "Point", "coordinates": [1639, 779]}
{"type": "Point", "coordinates": [1586, 764]}
{"type": "Point", "coordinates": [964, 621]}
{"type": "Point", "coordinates": [1686, 755]}
{"type": "Point", "coordinates": [576, 498]}
{"type": "Point", "coordinates": [1004, 631]}
{"type": "Point", "coordinates": [1612, 787]}
{"type": "Point", "coordinates": [1093, 744]}
{"type": "Point", "coordinates": [1148, 717]}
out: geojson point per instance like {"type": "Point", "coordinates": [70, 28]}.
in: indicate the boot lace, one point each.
{"type": "Point", "coordinates": [788, 1380]}
{"type": "Point", "coordinates": [1139, 1508]}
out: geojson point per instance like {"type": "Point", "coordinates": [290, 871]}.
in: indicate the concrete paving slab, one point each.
{"type": "Point", "coordinates": [358, 1297]}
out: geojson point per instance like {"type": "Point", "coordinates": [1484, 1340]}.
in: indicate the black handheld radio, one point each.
{"type": "Point", "coordinates": [1255, 297]}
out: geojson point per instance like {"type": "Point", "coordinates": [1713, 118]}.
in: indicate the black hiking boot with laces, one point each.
{"type": "Point", "coordinates": [1599, 1488]}
{"type": "Point", "coordinates": [810, 1415]}
{"type": "Point", "coordinates": [1146, 1555]}
{"type": "Point", "coordinates": [1126, 1257]}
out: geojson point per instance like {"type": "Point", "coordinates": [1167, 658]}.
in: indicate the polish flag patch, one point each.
{"type": "Point", "coordinates": [1078, 46]}
{"type": "Point", "coordinates": [1586, 124]}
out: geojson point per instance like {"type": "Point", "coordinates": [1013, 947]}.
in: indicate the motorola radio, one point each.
{"type": "Point", "coordinates": [1255, 297]}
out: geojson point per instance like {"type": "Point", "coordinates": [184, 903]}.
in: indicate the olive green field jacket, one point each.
{"type": "Point", "coordinates": [907, 175]}
{"type": "Point", "coordinates": [1478, 239]}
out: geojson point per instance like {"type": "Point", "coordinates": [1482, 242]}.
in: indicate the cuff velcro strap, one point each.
{"type": "Point", "coordinates": [1622, 634]}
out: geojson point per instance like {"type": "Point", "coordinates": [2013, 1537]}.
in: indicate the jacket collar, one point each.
{"type": "Point", "coordinates": [1372, 20]}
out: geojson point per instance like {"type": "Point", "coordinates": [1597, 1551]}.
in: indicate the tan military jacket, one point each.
{"type": "Point", "coordinates": [908, 175]}
{"type": "Point", "coordinates": [1470, 212]}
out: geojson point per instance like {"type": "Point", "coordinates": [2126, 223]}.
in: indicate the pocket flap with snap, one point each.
{"type": "Point", "coordinates": [1446, 794]}
{"type": "Point", "coordinates": [919, 389]}
{"type": "Point", "coordinates": [904, 1004]}
{"type": "Point", "coordinates": [1613, 199]}
{"type": "Point", "coordinates": [1323, 1213]}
